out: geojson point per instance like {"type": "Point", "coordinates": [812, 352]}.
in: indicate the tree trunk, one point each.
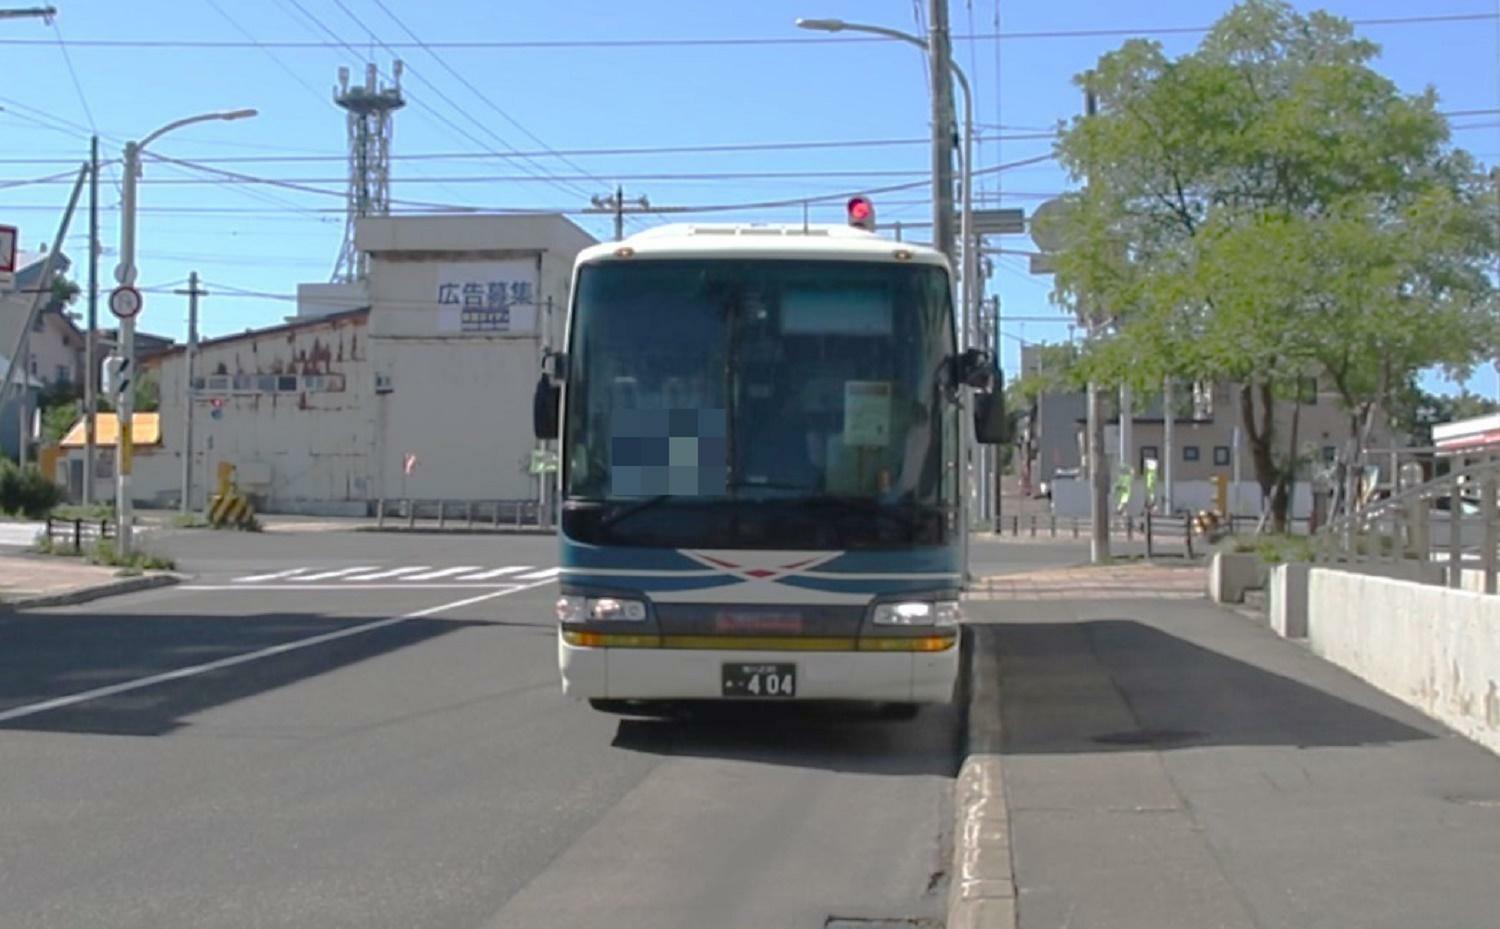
{"type": "Point", "coordinates": [1286, 483]}
{"type": "Point", "coordinates": [1260, 431]}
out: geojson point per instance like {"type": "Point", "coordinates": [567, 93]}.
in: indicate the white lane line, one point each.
{"type": "Point", "coordinates": [544, 575]}
{"type": "Point", "coordinates": [275, 575]}
{"type": "Point", "coordinates": [325, 575]}
{"type": "Point", "coordinates": [58, 703]}
{"type": "Point", "coordinates": [393, 572]}
{"type": "Point", "coordinates": [442, 572]}
{"type": "Point", "coordinates": [350, 588]}
{"type": "Point", "coordinates": [498, 572]}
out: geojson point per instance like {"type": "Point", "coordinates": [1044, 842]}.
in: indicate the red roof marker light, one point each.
{"type": "Point", "coordinates": [861, 213]}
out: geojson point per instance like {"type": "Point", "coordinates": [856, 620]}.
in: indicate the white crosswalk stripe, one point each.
{"type": "Point", "coordinates": [273, 576]}
{"type": "Point", "coordinates": [540, 575]}
{"type": "Point", "coordinates": [325, 575]}
{"type": "Point", "coordinates": [393, 572]}
{"type": "Point", "coordinates": [497, 572]}
{"type": "Point", "coordinates": [441, 572]}
{"type": "Point", "coordinates": [393, 576]}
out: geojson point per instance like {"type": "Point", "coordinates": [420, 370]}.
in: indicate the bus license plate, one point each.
{"type": "Point", "coordinates": [760, 680]}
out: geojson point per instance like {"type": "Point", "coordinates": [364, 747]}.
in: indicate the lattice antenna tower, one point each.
{"type": "Point", "coordinates": [368, 109]}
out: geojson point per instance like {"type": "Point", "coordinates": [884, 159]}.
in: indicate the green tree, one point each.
{"type": "Point", "coordinates": [1266, 209]}
{"type": "Point", "coordinates": [147, 396]}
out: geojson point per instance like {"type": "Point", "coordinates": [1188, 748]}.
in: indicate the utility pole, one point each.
{"type": "Point", "coordinates": [615, 203]}
{"type": "Point", "coordinates": [41, 292]}
{"type": "Point", "coordinates": [1098, 467]}
{"type": "Point", "coordinates": [91, 337]}
{"type": "Point", "coordinates": [193, 292]}
{"type": "Point", "coordinates": [1168, 420]}
{"type": "Point", "coordinates": [940, 61]}
{"type": "Point", "coordinates": [125, 273]}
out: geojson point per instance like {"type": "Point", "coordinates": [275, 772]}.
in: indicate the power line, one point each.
{"type": "Point", "coordinates": [415, 206]}
{"type": "Point", "coordinates": [709, 41]}
{"type": "Point", "coordinates": [528, 178]}
{"type": "Point", "coordinates": [722, 148]}
{"type": "Point", "coordinates": [269, 53]}
{"type": "Point", "coordinates": [576, 191]}
{"type": "Point", "coordinates": [472, 89]}
{"type": "Point", "coordinates": [73, 73]}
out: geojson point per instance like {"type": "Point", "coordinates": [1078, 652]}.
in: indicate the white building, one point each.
{"type": "Point", "coordinates": [426, 393]}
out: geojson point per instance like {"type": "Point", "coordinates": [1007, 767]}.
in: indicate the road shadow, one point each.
{"type": "Point", "coordinates": [844, 737]}
{"type": "Point", "coordinates": [1121, 685]}
{"type": "Point", "coordinates": [47, 656]}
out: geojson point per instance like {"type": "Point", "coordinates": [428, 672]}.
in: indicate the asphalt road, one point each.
{"type": "Point", "coordinates": [294, 740]}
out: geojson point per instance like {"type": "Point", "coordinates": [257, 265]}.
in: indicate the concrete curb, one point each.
{"type": "Point", "coordinates": [982, 889]}
{"type": "Point", "coordinates": [127, 585]}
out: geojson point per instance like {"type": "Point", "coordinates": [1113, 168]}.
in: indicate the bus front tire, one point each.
{"type": "Point", "coordinates": [900, 710]}
{"type": "Point", "coordinates": [610, 706]}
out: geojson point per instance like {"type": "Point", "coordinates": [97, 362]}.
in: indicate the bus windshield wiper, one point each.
{"type": "Point", "coordinates": [861, 506]}
{"type": "Point", "coordinates": [632, 509]}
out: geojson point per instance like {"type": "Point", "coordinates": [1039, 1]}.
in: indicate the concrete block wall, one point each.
{"type": "Point", "coordinates": [1436, 648]}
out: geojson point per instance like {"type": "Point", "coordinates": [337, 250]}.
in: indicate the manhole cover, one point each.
{"type": "Point", "coordinates": [1148, 737]}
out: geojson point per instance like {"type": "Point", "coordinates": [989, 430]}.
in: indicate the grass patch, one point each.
{"type": "Point", "coordinates": [189, 521]}
{"type": "Point", "coordinates": [106, 553]}
{"type": "Point", "coordinates": [46, 546]}
{"type": "Point", "coordinates": [91, 513]}
{"type": "Point", "coordinates": [1272, 548]}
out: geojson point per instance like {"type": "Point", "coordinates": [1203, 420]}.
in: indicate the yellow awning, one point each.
{"type": "Point", "coordinates": [147, 428]}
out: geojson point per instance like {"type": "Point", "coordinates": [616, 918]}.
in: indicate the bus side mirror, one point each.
{"type": "Point", "coordinates": [546, 402]}
{"type": "Point", "coordinates": [546, 405]}
{"type": "Point", "coordinates": [989, 418]}
{"type": "Point", "coordinates": [975, 368]}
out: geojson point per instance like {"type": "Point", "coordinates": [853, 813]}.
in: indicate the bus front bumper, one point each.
{"type": "Point", "coordinates": [697, 674]}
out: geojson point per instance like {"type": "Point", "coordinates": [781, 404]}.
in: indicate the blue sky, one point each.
{"type": "Point", "coordinates": [267, 239]}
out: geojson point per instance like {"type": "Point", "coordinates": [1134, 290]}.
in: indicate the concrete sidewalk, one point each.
{"type": "Point", "coordinates": [1168, 764]}
{"type": "Point", "coordinates": [48, 580]}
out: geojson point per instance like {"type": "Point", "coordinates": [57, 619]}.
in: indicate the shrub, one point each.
{"type": "Point", "coordinates": [38, 493]}
{"type": "Point", "coordinates": [10, 486]}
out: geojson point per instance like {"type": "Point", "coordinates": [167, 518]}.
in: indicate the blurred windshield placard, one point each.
{"type": "Point", "coordinates": [840, 311]}
{"type": "Point", "coordinates": [867, 413]}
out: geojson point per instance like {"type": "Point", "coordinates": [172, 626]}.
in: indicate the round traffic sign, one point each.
{"type": "Point", "coordinates": [125, 301]}
{"type": "Point", "coordinates": [1044, 227]}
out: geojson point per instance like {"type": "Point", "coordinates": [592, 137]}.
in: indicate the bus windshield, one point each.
{"type": "Point", "coordinates": [759, 403]}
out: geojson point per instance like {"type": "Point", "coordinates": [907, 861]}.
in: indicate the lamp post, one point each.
{"type": "Point", "coordinates": [942, 194]}
{"type": "Point", "coordinates": [125, 274]}
{"type": "Point", "coordinates": [970, 267]}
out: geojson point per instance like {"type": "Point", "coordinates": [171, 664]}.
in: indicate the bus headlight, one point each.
{"type": "Point", "coordinates": [918, 613]}
{"type": "Point", "coordinates": [575, 609]}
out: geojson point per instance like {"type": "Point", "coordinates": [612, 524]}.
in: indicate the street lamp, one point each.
{"type": "Point", "coordinates": [970, 266]}
{"type": "Point", "coordinates": [125, 274]}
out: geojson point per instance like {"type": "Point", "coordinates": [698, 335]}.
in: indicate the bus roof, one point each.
{"type": "Point", "coordinates": [746, 240]}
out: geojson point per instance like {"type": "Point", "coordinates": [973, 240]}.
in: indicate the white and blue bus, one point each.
{"type": "Point", "coordinates": [762, 442]}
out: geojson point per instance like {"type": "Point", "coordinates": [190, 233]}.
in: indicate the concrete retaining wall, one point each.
{"type": "Point", "coordinates": [1230, 574]}
{"type": "Point", "coordinates": [1435, 648]}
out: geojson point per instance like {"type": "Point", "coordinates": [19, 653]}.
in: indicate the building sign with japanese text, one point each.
{"type": "Point", "coordinates": [487, 297]}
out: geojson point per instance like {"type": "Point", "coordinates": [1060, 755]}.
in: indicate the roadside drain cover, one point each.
{"type": "Point", "coordinates": [1148, 737]}
{"type": "Point", "coordinates": [854, 922]}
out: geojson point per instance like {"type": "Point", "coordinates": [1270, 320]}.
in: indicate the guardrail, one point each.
{"type": "Point", "coordinates": [1401, 526]}
{"type": "Point", "coordinates": [460, 514]}
{"type": "Point", "coordinates": [75, 533]}
{"type": "Point", "coordinates": [1150, 528]}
